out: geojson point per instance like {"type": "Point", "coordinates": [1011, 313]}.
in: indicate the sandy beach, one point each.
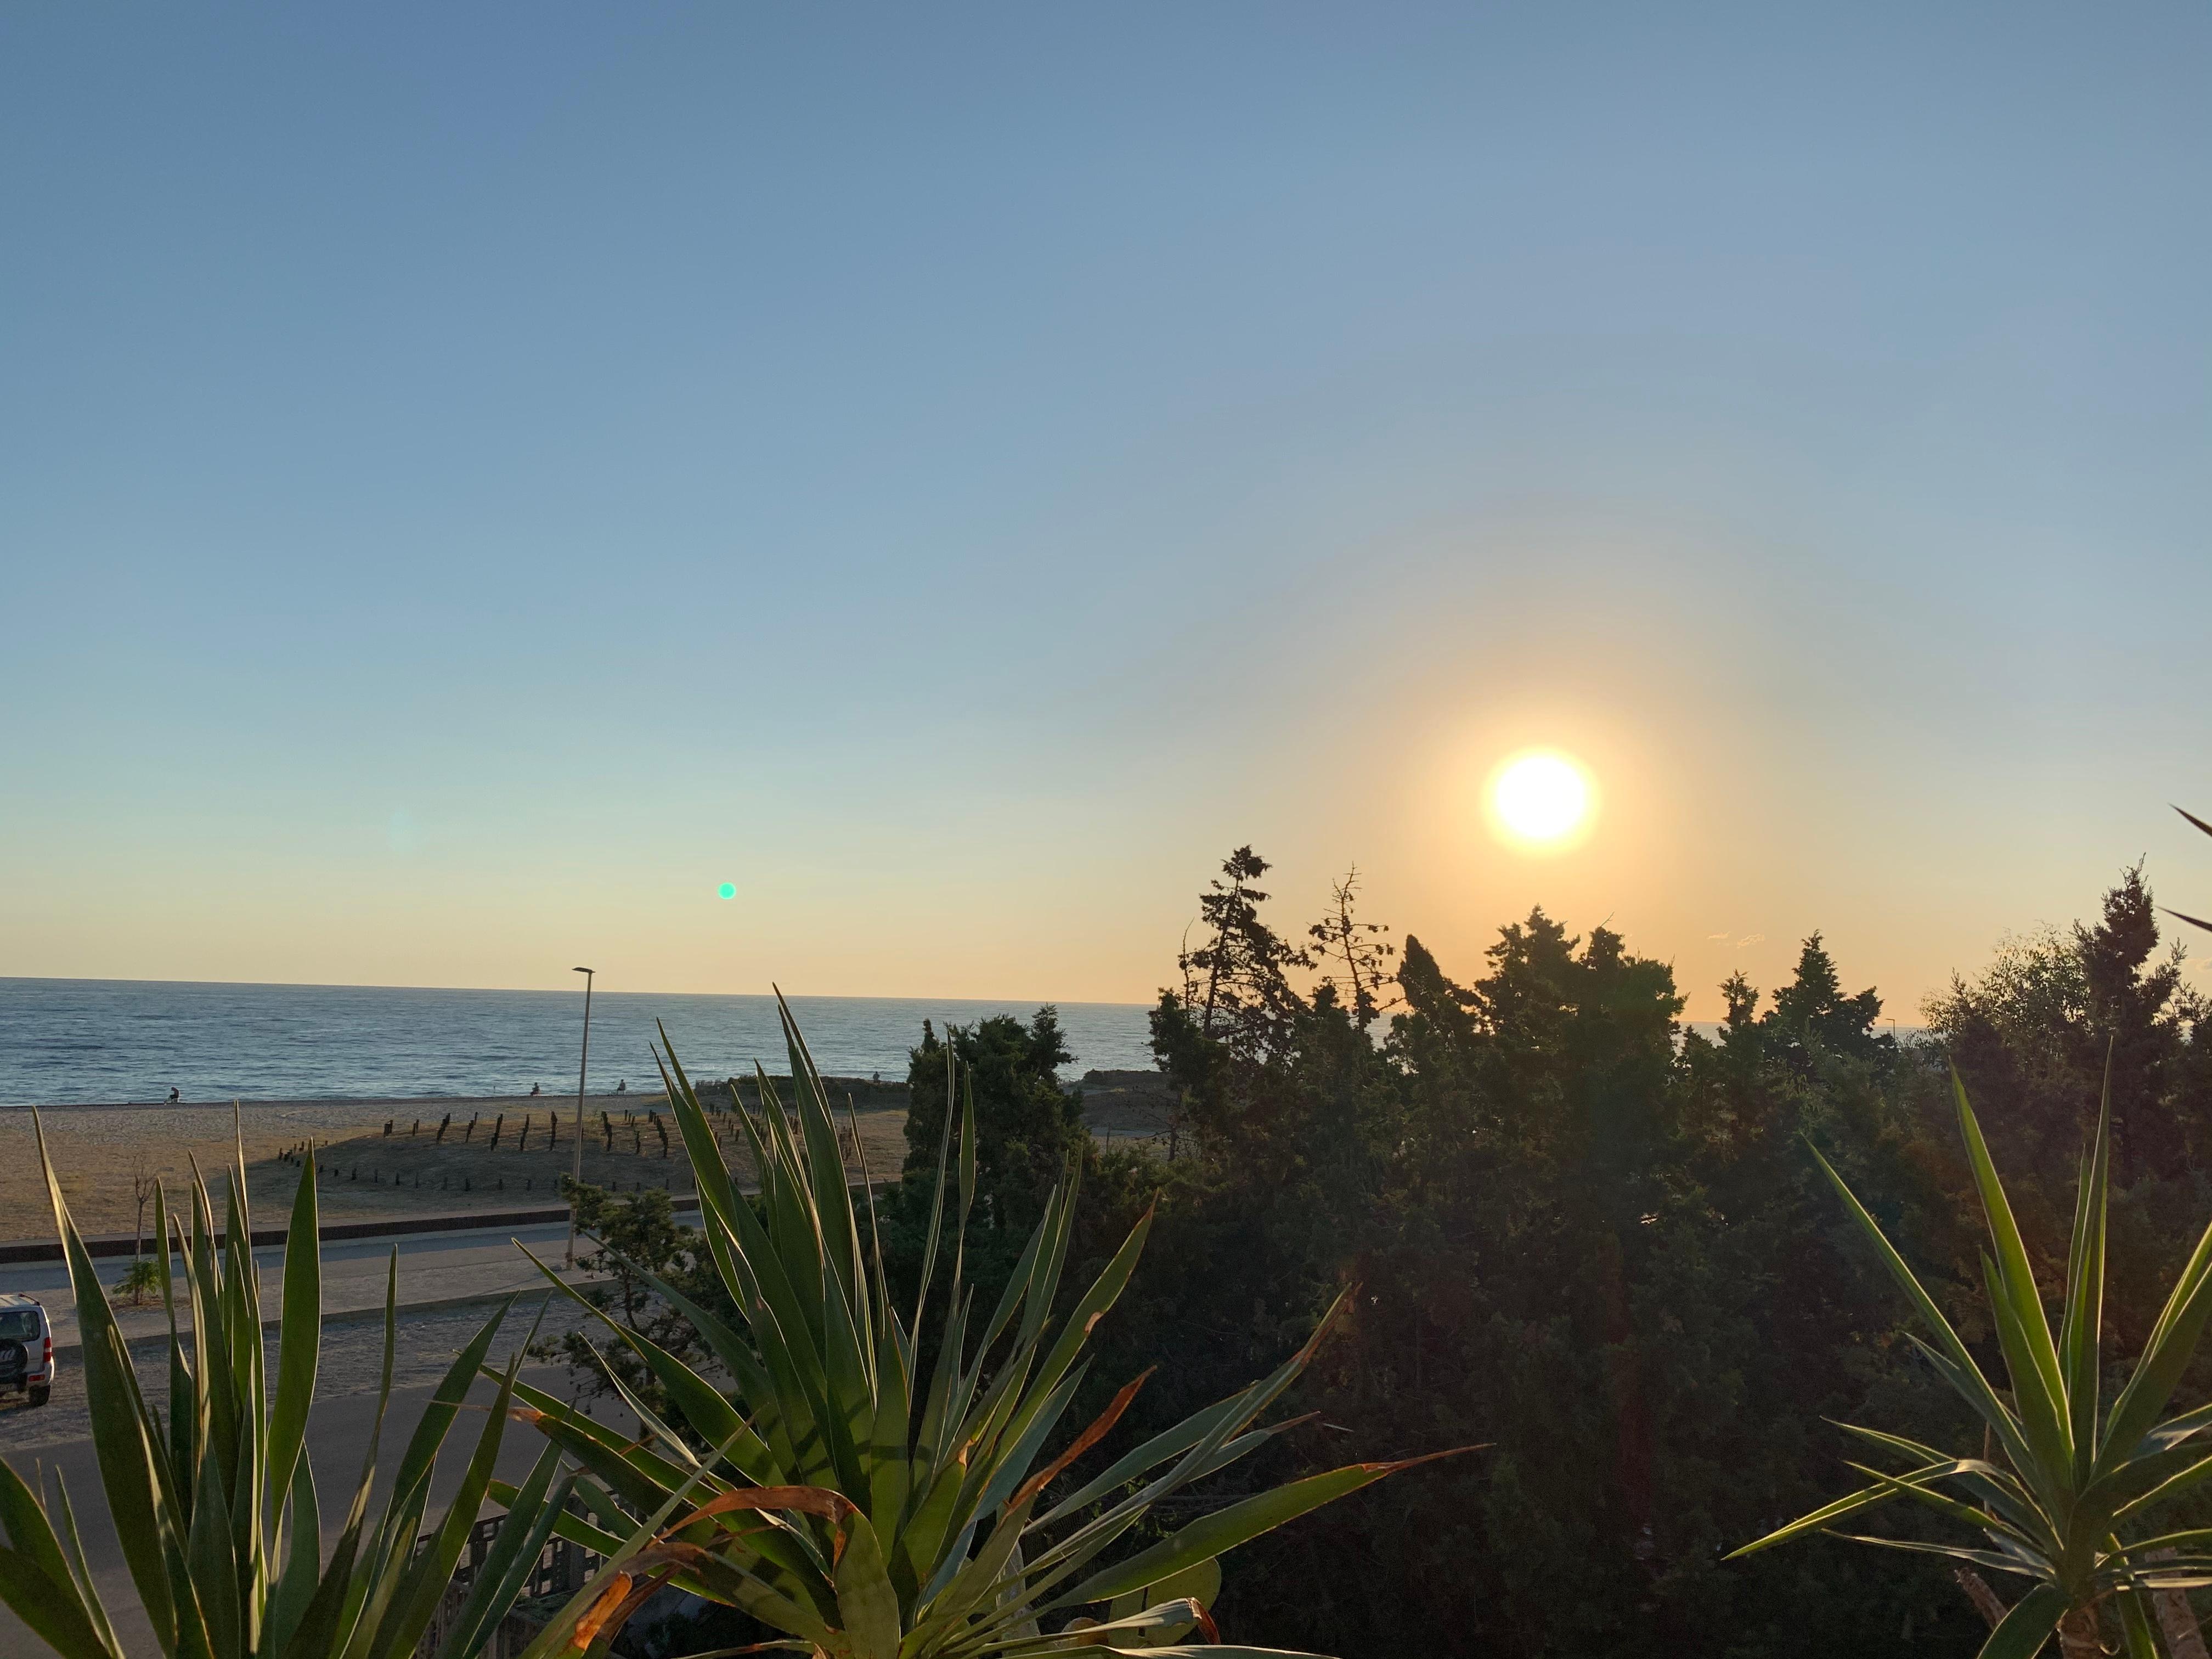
{"type": "Point", "coordinates": [496, 1153]}
{"type": "Point", "coordinates": [97, 1151]}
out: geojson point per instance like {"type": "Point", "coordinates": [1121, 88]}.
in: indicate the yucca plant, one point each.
{"type": "Point", "coordinates": [2064, 1494]}
{"type": "Point", "coordinates": [215, 1505]}
{"type": "Point", "coordinates": [867, 1509]}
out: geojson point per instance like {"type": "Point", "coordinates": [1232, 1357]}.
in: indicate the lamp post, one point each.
{"type": "Point", "coordinates": [583, 1065]}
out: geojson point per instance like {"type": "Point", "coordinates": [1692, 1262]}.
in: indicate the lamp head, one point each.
{"type": "Point", "coordinates": [580, 970]}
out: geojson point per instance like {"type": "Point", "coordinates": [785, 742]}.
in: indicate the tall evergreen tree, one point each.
{"type": "Point", "coordinates": [1812, 1015]}
{"type": "Point", "coordinates": [1236, 1016]}
{"type": "Point", "coordinates": [2032, 1035]}
{"type": "Point", "coordinates": [1361, 949]}
{"type": "Point", "coordinates": [2132, 1020]}
{"type": "Point", "coordinates": [1237, 982]}
{"type": "Point", "coordinates": [1028, 1127]}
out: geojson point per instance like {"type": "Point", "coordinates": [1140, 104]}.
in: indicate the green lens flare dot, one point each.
{"type": "Point", "coordinates": [727, 889]}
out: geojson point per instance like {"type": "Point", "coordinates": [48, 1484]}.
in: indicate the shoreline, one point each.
{"type": "Point", "coordinates": [1094, 1080]}
{"type": "Point", "coordinates": [301, 1102]}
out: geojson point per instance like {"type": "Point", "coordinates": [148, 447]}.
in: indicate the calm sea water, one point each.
{"type": "Point", "coordinates": [67, 1041]}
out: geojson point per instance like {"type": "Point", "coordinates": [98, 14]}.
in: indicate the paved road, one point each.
{"type": "Point", "coordinates": [433, 1267]}
{"type": "Point", "coordinates": [337, 1435]}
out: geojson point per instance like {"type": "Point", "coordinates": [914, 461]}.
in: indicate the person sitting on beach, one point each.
{"type": "Point", "coordinates": [623, 1087]}
{"type": "Point", "coordinates": [173, 1096]}
{"type": "Point", "coordinates": [534, 1089]}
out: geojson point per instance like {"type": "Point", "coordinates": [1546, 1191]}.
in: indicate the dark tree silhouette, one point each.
{"type": "Point", "coordinates": [1363, 949]}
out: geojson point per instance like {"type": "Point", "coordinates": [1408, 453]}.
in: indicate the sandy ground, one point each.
{"type": "Point", "coordinates": [1131, 1108]}
{"type": "Point", "coordinates": [100, 1152]}
{"type": "Point", "coordinates": [400, 1174]}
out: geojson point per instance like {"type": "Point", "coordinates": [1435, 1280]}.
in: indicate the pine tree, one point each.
{"type": "Point", "coordinates": [1237, 982]}
{"type": "Point", "coordinates": [2133, 1019]}
{"type": "Point", "coordinates": [1813, 1016]}
{"type": "Point", "coordinates": [1362, 947]}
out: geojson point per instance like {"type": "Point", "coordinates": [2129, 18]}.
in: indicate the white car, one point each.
{"type": "Point", "coordinates": [27, 1348]}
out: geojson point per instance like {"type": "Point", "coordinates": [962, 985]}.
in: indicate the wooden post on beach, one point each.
{"type": "Point", "coordinates": [470, 1134]}
{"type": "Point", "coordinates": [444, 1124]}
{"type": "Point", "coordinates": [498, 1125]}
{"type": "Point", "coordinates": [522, 1142]}
{"type": "Point", "coordinates": [660, 1129]}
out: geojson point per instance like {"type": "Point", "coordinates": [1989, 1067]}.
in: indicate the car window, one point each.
{"type": "Point", "coordinates": [19, 1325]}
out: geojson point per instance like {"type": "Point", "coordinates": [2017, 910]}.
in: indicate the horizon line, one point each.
{"type": "Point", "coordinates": [533, 990]}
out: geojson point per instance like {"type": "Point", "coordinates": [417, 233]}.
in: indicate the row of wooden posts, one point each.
{"type": "Point", "coordinates": [608, 1129]}
{"type": "Point", "coordinates": [551, 1139]}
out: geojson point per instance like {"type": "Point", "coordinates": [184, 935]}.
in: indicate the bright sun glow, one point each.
{"type": "Point", "coordinates": [1542, 800]}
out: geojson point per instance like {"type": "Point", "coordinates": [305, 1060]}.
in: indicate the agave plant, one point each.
{"type": "Point", "coordinates": [215, 1507]}
{"type": "Point", "coordinates": [867, 1509]}
{"type": "Point", "coordinates": [2066, 1477]}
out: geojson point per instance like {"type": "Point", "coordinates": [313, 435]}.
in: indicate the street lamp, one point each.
{"type": "Point", "coordinates": [576, 1185]}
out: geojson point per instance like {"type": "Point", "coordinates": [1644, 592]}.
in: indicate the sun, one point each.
{"type": "Point", "coordinates": [1541, 800]}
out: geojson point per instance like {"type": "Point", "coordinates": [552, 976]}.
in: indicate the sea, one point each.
{"type": "Point", "coordinates": [82, 1042]}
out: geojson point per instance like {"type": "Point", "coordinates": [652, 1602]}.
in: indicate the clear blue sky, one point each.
{"type": "Point", "coordinates": [474, 478]}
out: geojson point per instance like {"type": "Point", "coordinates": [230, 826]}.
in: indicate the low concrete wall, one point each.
{"type": "Point", "coordinates": [398, 1227]}
{"type": "Point", "coordinates": [395, 1228]}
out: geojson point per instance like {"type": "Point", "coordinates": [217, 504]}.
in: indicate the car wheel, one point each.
{"type": "Point", "coordinates": [40, 1394]}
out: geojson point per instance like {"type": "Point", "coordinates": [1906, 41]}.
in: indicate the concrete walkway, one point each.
{"type": "Point", "coordinates": [435, 1269]}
